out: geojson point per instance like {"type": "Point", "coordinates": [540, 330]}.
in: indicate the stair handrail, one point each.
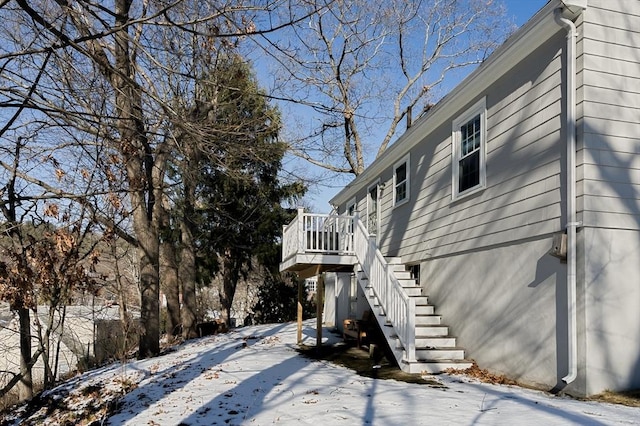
{"type": "Point", "coordinates": [397, 306]}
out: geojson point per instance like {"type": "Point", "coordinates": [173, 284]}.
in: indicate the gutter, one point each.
{"type": "Point", "coordinates": [572, 224]}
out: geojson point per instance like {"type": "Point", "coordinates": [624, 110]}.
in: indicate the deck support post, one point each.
{"type": "Point", "coordinates": [319, 308]}
{"type": "Point", "coordinates": [300, 293]}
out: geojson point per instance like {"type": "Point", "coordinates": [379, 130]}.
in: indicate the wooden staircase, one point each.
{"type": "Point", "coordinates": [435, 349]}
{"type": "Point", "coordinates": [313, 243]}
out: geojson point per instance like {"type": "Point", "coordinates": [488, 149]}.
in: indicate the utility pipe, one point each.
{"type": "Point", "coordinates": [570, 96]}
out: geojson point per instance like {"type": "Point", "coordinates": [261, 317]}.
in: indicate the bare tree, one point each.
{"type": "Point", "coordinates": [356, 69]}
{"type": "Point", "coordinates": [108, 86]}
{"type": "Point", "coordinates": [41, 262]}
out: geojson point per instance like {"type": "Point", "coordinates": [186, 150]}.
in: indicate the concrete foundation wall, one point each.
{"type": "Point", "coordinates": [506, 306]}
{"type": "Point", "coordinates": [612, 314]}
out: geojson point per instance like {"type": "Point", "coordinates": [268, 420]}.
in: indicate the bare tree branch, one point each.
{"type": "Point", "coordinates": [365, 64]}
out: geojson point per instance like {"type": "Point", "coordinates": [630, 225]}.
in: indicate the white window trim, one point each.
{"type": "Point", "coordinates": [376, 185]}
{"type": "Point", "coordinates": [479, 108]}
{"type": "Point", "coordinates": [407, 180]}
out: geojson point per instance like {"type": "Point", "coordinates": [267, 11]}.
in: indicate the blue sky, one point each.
{"type": "Point", "coordinates": [520, 11]}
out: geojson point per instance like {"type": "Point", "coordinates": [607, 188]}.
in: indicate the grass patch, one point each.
{"type": "Point", "coordinates": [629, 398]}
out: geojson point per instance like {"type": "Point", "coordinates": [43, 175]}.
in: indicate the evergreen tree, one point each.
{"type": "Point", "coordinates": [233, 195]}
{"type": "Point", "coordinates": [277, 302]}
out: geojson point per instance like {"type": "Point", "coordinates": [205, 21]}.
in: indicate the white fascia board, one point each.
{"type": "Point", "coordinates": [575, 4]}
{"type": "Point", "coordinates": [537, 30]}
{"type": "Point", "coordinates": [573, 8]}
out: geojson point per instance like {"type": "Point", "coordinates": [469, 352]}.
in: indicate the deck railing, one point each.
{"type": "Point", "coordinates": [318, 233]}
{"type": "Point", "coordinates": [398, 307]}
{"type": "Point", "coordinates": [341, 234]}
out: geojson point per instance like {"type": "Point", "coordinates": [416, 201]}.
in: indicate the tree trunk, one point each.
{"type": "Point", "coordinates": [188, 275]}
{"type": "Point", "coordinates": [230, 275]}
{"type": "Point", "coordinates": [169, 283]}
{"type": "Point", "coordinates": [149, 342]}
{"type": "Point", "coordinates": [170, 287]}
{"type": "Point", "coordinates": [188, 264]}
{"type": "Point", "coordinates": [187, 237]}
{"type": "Point", "coordinates": [139, 163]}
{"type": "Point", "coordinates": [25, 388]}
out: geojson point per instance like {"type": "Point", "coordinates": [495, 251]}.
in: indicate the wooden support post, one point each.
{"type": "Point", "coordinates": [300, 293]}
{"type": "Point", "coordinates": [319, 308]}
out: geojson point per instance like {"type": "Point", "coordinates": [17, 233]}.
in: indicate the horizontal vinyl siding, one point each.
{"type": "Point", "coordinates": [610, 193]}
{"type": "Point", "coordinates": [522, 198]}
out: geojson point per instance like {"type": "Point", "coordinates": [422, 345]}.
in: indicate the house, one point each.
{"type": "Point", "coordinates": [88, 335]}
{"type": "Point", "coordinates": [504, 226]}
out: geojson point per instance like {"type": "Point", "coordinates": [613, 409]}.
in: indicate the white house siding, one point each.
{"type": "Point", "coordinates": [484, 259]}
{"type": "Point", "coordinates": [523, 172]}
{"type": "Point", "coordinates": [611, 126]}
{"type": "Point", "coordinates": [610, 197]}
{"type": "Point", "coordinates": [485, 264]}
{"type": "Point", "coordinates": [343, 287]}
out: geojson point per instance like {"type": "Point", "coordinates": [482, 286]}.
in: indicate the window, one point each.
{"type": "Point", "coordinates": [401, 182]}
{"type": "Point", "coordinates": [468, 139]}
{"type": "Point", "coordinates": [414, 270]}
{"type": "Point", "coordinates": [351, 211]}
{"type": "Point", "coordinates": [351, 207]}
{"type": "Point", "coordinates": [372, 210]}
{"type": "Point", "coordinates": [311, 284]}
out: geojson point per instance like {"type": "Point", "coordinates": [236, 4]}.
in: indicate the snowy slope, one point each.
{"type": "Point", "coordinates": [254, 376]}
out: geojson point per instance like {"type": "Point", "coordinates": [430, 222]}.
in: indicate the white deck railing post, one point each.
{"type": "Point", "coordinates": [411, 330]}
{"type": "Point", "coordinates": [301, 232]}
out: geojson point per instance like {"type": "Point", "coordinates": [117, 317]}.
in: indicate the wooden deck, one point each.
{"type": "Point", "coordinates": [316, 243]}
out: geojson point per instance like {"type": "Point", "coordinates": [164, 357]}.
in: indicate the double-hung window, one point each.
{"type": "Point", "coordinates": [469, 140]}
{"type": "Point", "coordinates": [401, 182]}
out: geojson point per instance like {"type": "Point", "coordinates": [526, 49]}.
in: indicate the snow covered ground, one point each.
{"type": "Point", "coordinates": [254, 376]}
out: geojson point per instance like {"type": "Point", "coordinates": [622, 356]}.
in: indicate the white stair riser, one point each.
{"type": "Point", "coordinates": [395, 261]}
{"type": "Point", "coordinates": [421, 300]}
{"type": "Point", "coordinates": [413, 291]}
{"type": "Point", "coordinates": [403, 275]}
{"type": "Point", "coordinates": [428, 319]}
{"type": "Point", "coordinates": [433, 367]}
{"type": "Point", "coordinates": [439, 354]}
{"type": "Point", "coordinates": [425, 310]}
{"type": "Point", "coordinates": [430, 331]}
{"type": "Point", "coordinates": [435, 342]}
{"type": "Point", "coordinates": [431, 343]}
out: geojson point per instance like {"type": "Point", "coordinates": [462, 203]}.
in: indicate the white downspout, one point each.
{"type": "Point", "coordinates": [572, 356]}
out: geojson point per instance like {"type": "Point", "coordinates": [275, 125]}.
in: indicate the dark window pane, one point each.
{"type": "Point", "coordinates": [401, 173]}
{"type": "Point", "coordinates": [469, 172]}
{"type": "Point", "coordinates": [401, 182]}
{"type": "Point", "coordinates": [401, 192]}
